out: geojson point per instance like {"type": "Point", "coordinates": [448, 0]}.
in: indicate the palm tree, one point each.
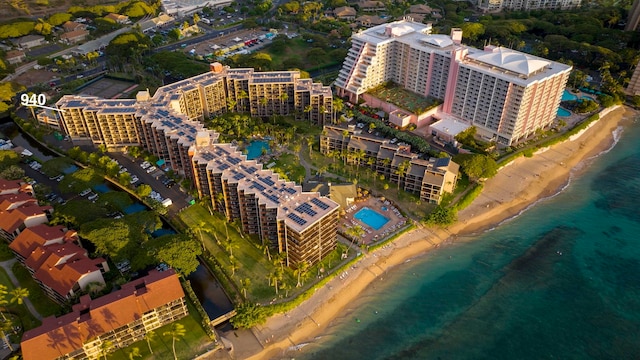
{"type": "Point", "coordinates": [105, 346]}
{"type": "Point", "coordinates": [177, 331]}
{"type": "Point", "coordinates": [18, 294]}
{"type": "Point", "coordinates": [403, 169]}
{"type": "Point", "coordinates": [3, 299]}
{"type": "Point", "coordinates": [358, 156]}
{"type": "Point", "coordinates": [355, 232]}
{"type": "Point", "coordinates": [301, 269]}
{"type": "Point", "coordinates": [149, 336]}
{"type": "Point", "coordinates": [338, 106]}
{"type": "Point", "coordinates": [245, 284]}
{"type": "Point", "coordinates": [308, 110]}
{"type": "Point", "coordinates": [345, 133]}
{"type": "Point", "coordinates": [135, 353]}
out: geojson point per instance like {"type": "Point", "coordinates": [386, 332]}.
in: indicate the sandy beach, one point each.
{"type": "Point", "coordinates": [515, 188]}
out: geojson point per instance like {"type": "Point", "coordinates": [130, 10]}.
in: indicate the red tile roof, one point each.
{"type": "Point", "coordinates": [39, 235]}
{"type": "Point", "coordinates": [62, 274]}
{"type": "Point", "coordinates": [10, 220]}
{"type": "Point", "coordinates": [8, 201]}
{"type": "Point", "coordinates": [91, 318]}
{"type": "Point", "coordinates": [8, 186]}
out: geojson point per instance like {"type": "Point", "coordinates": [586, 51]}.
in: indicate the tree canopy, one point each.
{"type": "Point", "coordinates": [178, 251]}
{"type": "Point", "coordinates": [477, 166]}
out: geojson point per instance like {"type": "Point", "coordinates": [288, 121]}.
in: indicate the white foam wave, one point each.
{"type": "Point", "coordinates": [616, 134]}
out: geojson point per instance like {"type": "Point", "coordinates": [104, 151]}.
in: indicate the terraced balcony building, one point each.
{"type": "Point", "coordinates": [301, 224]}
{"type": "Point", "coordinates": [506, 94]}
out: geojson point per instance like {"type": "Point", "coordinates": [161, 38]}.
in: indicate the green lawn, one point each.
{"type": "Point", "coordinates": [252, 262]}
{"type": "Point", "coordinates": [26, 319]}
{"type": "Point", "coordinates": [405, 99]}
{"type": "Point", "coordinates": [194, 342]}
{"type": "Point", "coordinates": [288, 166]}
{"type": "Point", "coordinates": [42, 303]}
{"type": "Point", "coordinates": [5, 252]}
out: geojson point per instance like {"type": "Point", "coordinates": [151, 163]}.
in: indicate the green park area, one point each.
{"type": "Point", "coordinates": [403, 98]}
{"type": "Point", "coordinates": [288, 167]}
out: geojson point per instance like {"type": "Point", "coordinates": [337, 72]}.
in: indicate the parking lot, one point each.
{"type": "Point", "coordinates": [179, 198]}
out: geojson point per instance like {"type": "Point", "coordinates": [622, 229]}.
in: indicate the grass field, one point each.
{"type": "Point", "coordinates": [289, 166]}
{"type": "Point", "coordinates": [44, 306]}
{"type": "Point", "coordinates": [252, 263]}
{"type": "Point", "coordinates": [403, 98]}
{"type": "Point", "coordinates": [27, 321]}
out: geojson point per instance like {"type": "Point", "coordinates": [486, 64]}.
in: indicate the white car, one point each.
{"type": "Point", "coordinates": [145, 165]}
{"type": "Point", "coordinates": [93, 196]}
{"type": "Point", "coordinates": [134, 180]}
{"type": "Point", "coordinates": [85, 192]}
{"type": "Point", "coordinates": [151, 169]}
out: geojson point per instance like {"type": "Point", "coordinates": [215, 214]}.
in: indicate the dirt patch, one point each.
{"type": "Point", "coordinates": [35, 77]}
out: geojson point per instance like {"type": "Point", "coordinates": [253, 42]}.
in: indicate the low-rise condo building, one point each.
{"type": "Point", "coordinates": [58, 264]}
{"type": "Point", "coordinates": [110, 322]}
{"type": "Point", "coordinates": [506, 94]}
{"type": "Point", "coordinates": [300, 224]}
{"type": "Point", "coordinates": [429, 179]}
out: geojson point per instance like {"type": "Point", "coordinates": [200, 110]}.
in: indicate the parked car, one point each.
{"type": "Point", "coordinates": [93, 196]}
{"type": "Point", "coordinates": [151, 169]}
{"type": "Point", "coordinates": [134, 179]}
{"type": "Point", "coordinates": [85, 192]}
{"type": "Point", "coordinates": [145, 165]}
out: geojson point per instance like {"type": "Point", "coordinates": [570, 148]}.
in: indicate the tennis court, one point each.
{"type": "Point", "coordinates": [109, 88]}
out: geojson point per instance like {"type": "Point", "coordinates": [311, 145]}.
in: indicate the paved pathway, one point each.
{"type": "Point", "coordinates": [6, 265]}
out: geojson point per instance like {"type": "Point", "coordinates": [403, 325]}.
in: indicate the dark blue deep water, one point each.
{"type": "Point", "coordinates": [562, 281]}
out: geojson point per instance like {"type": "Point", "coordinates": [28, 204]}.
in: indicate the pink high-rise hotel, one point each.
{"type": "Point", "coordinates": [506, 94]}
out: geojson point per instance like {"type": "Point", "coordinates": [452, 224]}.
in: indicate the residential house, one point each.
{"type": "Point", "coordinates": [420, 9]}
{"type": "Point", "coordinates": [371, 6]}
{"type": "Point", "coordinates": [30, 41]}
{"type": "Point", "coordinates": [75, 36]}
{"type": "Point", "coordinates": [120, 19]}
{"type": "Point", "coordinates": [369, 20]}
{"type": "Point", "coordinates": [112, 321]}
{"type": "Point", "coordinates": [344, 13]}
{"type": "Point", "coordinates": [70, 26]}
{"type": "Point", "coordinates": [15, 56]}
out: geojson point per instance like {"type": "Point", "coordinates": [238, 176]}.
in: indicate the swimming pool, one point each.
{"type": "Point", "coordinates": [254, 149]}
{"type": "Point", "coordinates": [563, 112]}
{"type": "Point", "coordinates": [371, 218]}
{"type": "Point", "coordinates": [568, 96]}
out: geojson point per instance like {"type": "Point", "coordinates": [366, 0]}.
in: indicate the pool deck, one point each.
{"type": "Point", "coordinates": [372, 236]}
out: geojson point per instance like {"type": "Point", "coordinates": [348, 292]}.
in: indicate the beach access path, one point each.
{"type": "Point", "coordinates": [502, 198]}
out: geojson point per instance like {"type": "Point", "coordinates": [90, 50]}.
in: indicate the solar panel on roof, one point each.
{"type": "Point", "coordinates": [233, 160]}
{"type": "Point", "coordinates": [306, 209]}
{"type": "Point", "coordinates": [297, 219]}
{"type": "Point", "coordinates": [267, 181]}
{"type": "Point", "coordinates": [273, 198]}
{"type": "Point", "coordinates": [238, 176]}
{"type": "Point", "coordinates": [290, 190]}
{"type": "Point", "coordinates": [223, 166]}
{"type": "Point", "coordinates": [252, 169]}
{"type": "Point", "coordinates": [257, 186]}
{"type": "Point", "coordinates": [319, 203]}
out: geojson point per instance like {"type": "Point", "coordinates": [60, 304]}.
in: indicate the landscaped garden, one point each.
{"type": "Point", "coordinates": [403, 98]}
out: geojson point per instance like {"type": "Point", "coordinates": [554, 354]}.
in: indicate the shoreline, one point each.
{"type": "Point", "coordinates": [518, 186]}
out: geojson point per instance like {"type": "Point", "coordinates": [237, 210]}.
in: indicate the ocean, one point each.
{"type": "Point", "coordinates": [560, 281]}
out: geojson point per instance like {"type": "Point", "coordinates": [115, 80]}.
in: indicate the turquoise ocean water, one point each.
{"type": "Point", "coordinates": [561, 281]}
